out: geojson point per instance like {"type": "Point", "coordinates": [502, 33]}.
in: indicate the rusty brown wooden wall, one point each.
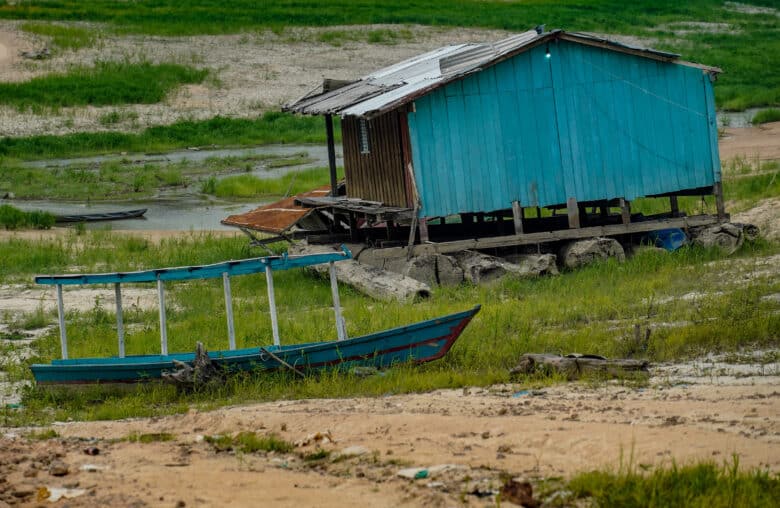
{"type": "Point", "coordinates": [378, 175]}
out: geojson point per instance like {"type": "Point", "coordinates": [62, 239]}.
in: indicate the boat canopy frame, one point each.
{"type": "Point", "coordinates": [267, 265]}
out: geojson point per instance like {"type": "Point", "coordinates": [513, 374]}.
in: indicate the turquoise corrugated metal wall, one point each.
{"type": "Point", "coordinates": [585, 123]}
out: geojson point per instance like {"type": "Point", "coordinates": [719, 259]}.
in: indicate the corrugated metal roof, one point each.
{"type": "Point", "coordinates": [276, 217]}
{"type": "Point", "coordinates": [398, 84]}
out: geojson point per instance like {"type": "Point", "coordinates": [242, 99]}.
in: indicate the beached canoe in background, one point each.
{"type": "Point", "coordinates": [95, 217]}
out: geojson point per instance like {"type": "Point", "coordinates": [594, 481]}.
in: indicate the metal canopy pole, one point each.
{"type": "Point", "coordinates": [61, 315]}
{"type": "Point", "coordinates": [341, 329]}
{"type": "Point", "coordinates": [269, 276]}
{"type": "Point", "coordinates": [331, 155]}
{"type": "Point", "coordinates": [163, 330]}
{"type": "Point", "coordinates": [120, 328]}
{"type": "Point", "coordinates": [229, 311]}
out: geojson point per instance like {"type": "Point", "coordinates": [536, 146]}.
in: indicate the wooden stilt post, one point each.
{"type": "Point", "coordinates": [625, 211]}
{"type": "Point", "coordinates": [163, 324]}
{"type": "Point", "coordinates": [229, 311]}
{"type": "Point", "coordinates": [574, 213]}
{"type": "Point", "coordinates": [422, 224]}
{"type": "Point", "coordinates": [269, 277]}
{"type": "Point", "coordinates": [341, 328]}
{"type": "Point", "coordinates": [517, 217]}
{"type": "Point", "coordinates": [675, 207]}
{"type": "Point", "coordinates": [331, 155]}
{"type": "Point", "coordinates": [61, 317]}
{"type": "Point", "coordinates": [120, 326]}
{"type": "Point", "coordinates": [717, 189]}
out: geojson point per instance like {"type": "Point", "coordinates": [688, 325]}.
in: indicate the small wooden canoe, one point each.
{"type": "Point", "coordinates": [417, 343]}
{"type": "Point", "coordinates": [94, 217]}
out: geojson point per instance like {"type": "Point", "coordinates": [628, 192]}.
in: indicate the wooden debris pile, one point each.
{"type": "Point", "coordinates": [574, 366]}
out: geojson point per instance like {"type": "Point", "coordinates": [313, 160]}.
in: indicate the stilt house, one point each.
{"type": "Point", "coordinates": [489, 134]}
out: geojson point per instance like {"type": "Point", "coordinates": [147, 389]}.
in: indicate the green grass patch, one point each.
{"type": "Point", "coordinates": [151, 437]}
{"type": "Point", "coordinates": [591, 310]}
{"type": "Point", "coordinates": [699, 485]}
{"type": "Point", "coordinates": [271, 127]}
{"type": "Point", "coordinates": [62, 36]}
{"type": "Point", "coordinates": [126, 179]}
{"type": "Point", "coordinates": [380, 36]}
{"type": "Point", "coordinates": [745, 50]}
{"type": "Point", "coordinates": [42, 435]}
{"type": "Point", "coordinates": [739, 186]}
{"type": "Point", "coordinates": [250, 186]}
{"type": "Point", "coordinates": [111, 182]}
{"type": "Point", "coordinates": [105, 84]}
{"type": "Point", "coordinates": [13, 218]}
{"type": "Point", "coordinates": [766, 116]}
{"type": "Point", "coordinates": [115, 117]}
{"type": "Point", "coordinates": [249, 442]}
{"type": "Point", "coordinates": [317, 455]}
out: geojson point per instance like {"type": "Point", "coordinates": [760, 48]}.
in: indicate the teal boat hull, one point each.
{"type": "Point", "coordinates": [417, 343]}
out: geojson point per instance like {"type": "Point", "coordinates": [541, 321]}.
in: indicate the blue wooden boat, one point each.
{"type": "Point", "coordinates": [420, 342]}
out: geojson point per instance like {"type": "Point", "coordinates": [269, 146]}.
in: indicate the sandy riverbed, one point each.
{"type": "Point", "coordinates": [706, 410]}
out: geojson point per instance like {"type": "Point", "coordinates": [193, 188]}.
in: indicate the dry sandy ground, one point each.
{"type": "Point", "coordinates": [706, 410]}
{"type": "Point", "coordinates": [761, 142]}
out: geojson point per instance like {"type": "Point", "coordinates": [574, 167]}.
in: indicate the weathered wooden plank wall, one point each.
{"type": "Point", "coordinates": [378, 175]}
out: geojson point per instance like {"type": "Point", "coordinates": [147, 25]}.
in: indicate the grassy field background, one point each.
{"type": "Point", "coordinates": [744, 42]}
{"type": "Point", "coordinates": [271, 127]}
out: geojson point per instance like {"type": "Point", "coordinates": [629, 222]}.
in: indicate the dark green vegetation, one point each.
{"type": "Point", "coordinates": [13, 218]}
{"type": "Point", "coordinates": [552, 314]}
{"type": "Point", "coordinates": [703, 485]}
{"type": "Point", "coordinates": [745, 45]}
{"type": "Point", "coordinates": [766, 116]}
{"type": "Point", "coordinates": [106, 83]}
{"type": "Point", "coordinates": [272, 127]}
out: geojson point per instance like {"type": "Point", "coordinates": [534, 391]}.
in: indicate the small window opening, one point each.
{"type": "Point", "coordinates": [365, 147]}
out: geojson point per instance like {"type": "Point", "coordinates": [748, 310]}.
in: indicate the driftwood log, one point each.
{"type": "Point", "coordinates": [574, 366]}
{"type": "Point", "coordinates": [374, 282]}
{"type": "Point", "coordinates": [202, 370]}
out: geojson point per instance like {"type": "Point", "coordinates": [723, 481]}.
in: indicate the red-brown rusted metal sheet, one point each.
{"type": "Point", "coordinates": [277, 217]}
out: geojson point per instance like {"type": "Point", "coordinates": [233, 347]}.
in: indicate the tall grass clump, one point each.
{"type": "Point", "coordinates": [107, 83]}
{"type": "Point", "coordinates": [66, 37]}
{"type": "Point", "coordinates": [13, 218]}
{"type": "Point", "coordinates": [271, 127]}
{"type": "Point", "coordinates": [699, 485]}
{"type": "Point", "coordinates": [766, 116]}
{"type": "Point", "coordinates": [249, 186]}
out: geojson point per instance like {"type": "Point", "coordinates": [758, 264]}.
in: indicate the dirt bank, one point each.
{"type": "Point", "coordinates": [761, 142]}
{"type": "Point", "coordinates": [704, 410]}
